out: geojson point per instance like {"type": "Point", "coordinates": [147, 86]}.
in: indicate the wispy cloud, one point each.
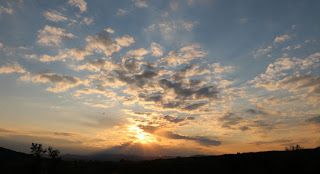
{"type": "Point", "coordinates": [281, 38]}
{"type": "Point", "coordinates": [54, 16]}
{"type": "Point", "coordinates": [61, 83]}
{"type": "Point", "coordinates": [7, 10]}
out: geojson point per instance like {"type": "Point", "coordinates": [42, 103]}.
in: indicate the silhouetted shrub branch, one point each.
{"type": "Point", "coordinates": [293, 148]}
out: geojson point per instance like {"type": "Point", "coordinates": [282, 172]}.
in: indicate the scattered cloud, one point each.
{"type": "Point", "coordinates": [199, 139]}
{"type": "Point", "coordinates": [81, 4]}
{"type": "Point", "coordinates": [54, 16]}
{"type": "Point", "coordinates": [141, 4]}
{"type": "Point", "coordinates": [229, 119]}
{"type": "Point", "coordinates": [122, 12]}
{"type": "Point", "coordinates": [52, 36]}
{"type": "Point", "coordinates": [11, 68]}
{"type": "Point", "coordinates": [102, 43]}
{"type": "Point", "coordinates": [67, 134]}
{"type": "Point", "coordinates": [138, 53]}
{"type": "Point", "coordinates": [125, 41]}
{"type": "Point", "coordinates": [281, 38]}
{"type": "Point", "coordinates": [185, 55]}
{"type": "Point", "coordinates": [218, 68]}
{"type": "Point", "coordinates": [168, 28]}
{"type": "Point", "coordinates": [61, 83]}
{"type": "Point", "coordinates": [87, 21]}
{"type": "Point", "coordinates": [262, 51]}
{"type": "Point", "coordinates": [109, 30]}
{"type": "Point", "coordinates": [5, 10]}
{"type": "Point", "coordinates": [156, 49]}
{"type": "Point", "coordinates": [314, 119]}
{"type": "Point", "coordinates": [174, 5]}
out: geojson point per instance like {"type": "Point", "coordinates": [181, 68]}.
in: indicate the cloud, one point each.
{"type": "Point", "coordinates": [99, 105]}
{"type": "Point", "coordinates": [229, 119]}
{"type": "Point", "coordinates": [301, 82]}
{"type": "Point", "coordinates": [150, 27]}
{"type": "Point", "coordinates": [76, 54]}
{"type": "Point", "coordinates": [87, 21]}
{"type": "Point", "coordinates": [199, 139]}
{"type": "Point", "coordinates": [138, 53]}
{"type": "Point", "coordinates": [156, 49]}
{"type": "Point", "coordinates": [5, 130]}
{"type": "Point", "coordinates": [280, 68]}
{"type": "Point", "coordinates": [292, 47]}
{"type": "Point", "coordinates": [54, 16]}
{"type": "Point", "coordinates": [125, 41]}
{"type": "Point", "coordinates": [174, 5]}
{"type": "Point", "coordinates": [121, 12]}
{"type": "Point", "coordinates": [141, 4]}
{"type": "Point", "coordinates": [11, 68]}
{"type": "Point", "coordinates": [314, 119]}
{"type": "Point", "coordinates": [61, 83]}
{"type": "Point", "coordinates": [262, 51]}
{"type": "Point", "coordinates": [109, 30]}
{"type": "Point", "coordinates": [185, 55]}
{"type": "Point", "coordinates": [243, 20]}
{"type": "Point", "coordinates": [208, 92]}
{"type": "Point", "coordinates": [81, 4]}
{"type": "Point", "coordinates": [218, 68]}
{"type": "Point", "coordinates": [5, 10]}
{"type": "Point", "coordinates": [170, 26]}
{"type": "Point", "coordinates": [258, 143]}
{"type": "Point", "coordinates": [256, 112]}
{"type": "Point", "coordinates": [194, 106]}
{"type": "Point", "coordinates": [102, 43]}
{"type": "Point", "coordinates": [98, 90]}
{"type": "Point", "coordinates": [173, 119]}
{"type": "Point", "coordinates": [261, 124]}
{"type": "Point", "coordinates": [52, 36]}
{"type": "Point", "coordinates": [281, 38]}
{"type": "Point", "coordinates": [95, 65]}
{"type": "Point", "coordinates": [67, 134]}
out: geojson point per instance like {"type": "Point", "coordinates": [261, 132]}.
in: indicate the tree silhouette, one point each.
{"type": "Point", "coordinates": [53, 153]}
{"type": "Point", "coordinates": [37, 151]}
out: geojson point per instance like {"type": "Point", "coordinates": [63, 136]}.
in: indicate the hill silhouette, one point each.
{"type": "Point", "coordinates": [304, 161]}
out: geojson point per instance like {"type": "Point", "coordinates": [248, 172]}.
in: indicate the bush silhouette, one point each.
{"type": "Point", "coordinates": [293, 148]}
{"type": "Point", "coordinates": [53, 153]}
{"type": "Point", "coordinates": [37, 151]}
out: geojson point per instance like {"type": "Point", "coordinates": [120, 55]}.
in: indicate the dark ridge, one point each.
{"type": "Point", "coordinates": [295, 161]}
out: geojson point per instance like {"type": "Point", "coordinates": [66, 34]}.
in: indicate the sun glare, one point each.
{"type": "Point", "coordinates": [141, 136]}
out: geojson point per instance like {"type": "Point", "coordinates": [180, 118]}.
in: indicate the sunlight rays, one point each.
{"type": "Point", "coordinates": [140, 136]}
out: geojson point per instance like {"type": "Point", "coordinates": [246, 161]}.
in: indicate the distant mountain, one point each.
{"type": "Point", "coordinates": [109, 157]}
{"type": "Point", "coordinates": [7, 154]}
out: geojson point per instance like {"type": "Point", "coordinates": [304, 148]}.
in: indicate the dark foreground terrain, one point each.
{"type": "Point", "coordinates": [297, 161]}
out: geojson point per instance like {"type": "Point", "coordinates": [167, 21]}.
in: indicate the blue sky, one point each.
{"type": "Point", "coordinates": [219, 76]}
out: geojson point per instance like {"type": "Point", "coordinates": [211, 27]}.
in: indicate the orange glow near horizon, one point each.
{"type": "Point", "coordinates": [141, 136]}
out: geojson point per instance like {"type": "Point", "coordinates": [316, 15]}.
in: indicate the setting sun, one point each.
{"type": "Point", "coordinates": [140, 136]}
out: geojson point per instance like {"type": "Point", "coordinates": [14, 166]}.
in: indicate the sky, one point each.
{"type": "Point", "coordinates": [172, 77]}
